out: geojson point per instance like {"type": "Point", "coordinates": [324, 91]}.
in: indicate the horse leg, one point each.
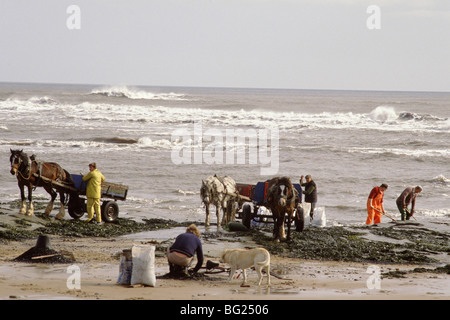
{"type": "Point", "coordinates": [289, 219]}
{"type": "Point", "coordinates": [275, 229]}
{"type": "Point", "coordinates": [233, 211]}
{"type": "Point", "coordinates": [228, 214]}
{"type": "Point", "coordinates": [230, 211]}
{"type": "Point", "coordinates": [23, 205]}
{"type": "Point", "coordinates": [282, 232]}
{"type": "Point", "coordinates": [53, 195]}
{"type": "Point", "coordinates": [278, 229]}
{"type": "Point", "coordinates": [224, 214]}
{"type": "Point", "coordinates": [49, 208]}
{"type": "Point", "coordinates": [207, 214]}
{"type": "Point", "coordinates": [218, 209]}
{"type": "Point", "coordinates": [62, 211]}
{"type": "Point", "coordinates": [30, 209]}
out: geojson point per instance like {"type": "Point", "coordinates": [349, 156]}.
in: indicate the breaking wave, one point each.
{"type": "Point", "coordinates": [441, 179]}
{"type": "Point", "coordinates": [86, 113]}
{"type": "Point", "coordinates": [383, 114]}
{"type": "Point", "coordinates": [136, 94]}
{"type": "Point", "coordinates": [418, 154]}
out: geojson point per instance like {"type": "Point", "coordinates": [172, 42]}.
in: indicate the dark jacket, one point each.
{"type": "Point", "coordinates": [407, 197]}
{"type": "Point", "coordinates": [310, 191]}
{"type": "Point", "coordinates": [188, 244]}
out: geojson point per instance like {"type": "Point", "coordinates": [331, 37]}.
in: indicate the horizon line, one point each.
{"type": "Point", "coordinates": [218, 87]}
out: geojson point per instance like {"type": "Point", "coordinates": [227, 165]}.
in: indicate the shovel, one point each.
{"type": "Point", "coordinates": [389, 216]}
{"type": "Point", "coordinates": [213, 267]}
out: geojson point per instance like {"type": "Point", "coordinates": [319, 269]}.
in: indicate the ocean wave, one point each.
{"type": "Point", "coordinates": [43, 100]}
{"type": "Point", "coordinates": [419, 117]}
{"type": "Point", "coordinates": [146, 142]}
{"type": "Point", "coordinates": [89, 113]}
{"type": "Point", "coordinates": [388, 114]}
{"type": "Point", "coordinates": [445, 153]}
{"type": "Point", "coordinates": [24, 105]}
{"type": "Point", "coordinates": [383, 114]}
{"type": "Point", "coordinates": [187, 192]}
{"type": "Point", "coordinates": [441, 180]}
{"type": "Point", "coordinates": [436, 213]}
{"type": "Point", "coordinates": [117, 140]}
{"type": "Point", "coordinates": [40, 100]}
{"type": "Point", "coordinates": [100, 143]}
{"type": "Point", "coordinates": [136, 94]}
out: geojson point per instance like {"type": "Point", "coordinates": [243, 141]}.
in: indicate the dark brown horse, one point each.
{"type": "Point", "coordinates": [282, 199]}
{"type": "Point", "coordinates": [32, 173]}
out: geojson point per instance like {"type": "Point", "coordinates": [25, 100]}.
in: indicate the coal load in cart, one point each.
{"type": "Point", "coordinates": [111, 192]}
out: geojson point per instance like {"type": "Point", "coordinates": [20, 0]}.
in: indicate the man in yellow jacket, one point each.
{"type": "Point", "coordinates": [94, 192]}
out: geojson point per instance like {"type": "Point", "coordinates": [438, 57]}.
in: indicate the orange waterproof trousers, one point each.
{"type": "Point", "coordinates": [372, 214]}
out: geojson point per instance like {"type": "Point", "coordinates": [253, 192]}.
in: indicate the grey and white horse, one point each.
{"type": "Point", "coordinates": [222, 193]}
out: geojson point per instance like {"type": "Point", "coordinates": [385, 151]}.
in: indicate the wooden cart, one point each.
{"type": "Point", "coordinates": [256, 194]}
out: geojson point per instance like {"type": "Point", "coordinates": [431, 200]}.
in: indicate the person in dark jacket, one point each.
{"type": "Point", "coordinates": [181, 253]}
{"type": "Point", "coordinates": [408, 197]}
{"type": "Point", "coordinates": [310, 192]}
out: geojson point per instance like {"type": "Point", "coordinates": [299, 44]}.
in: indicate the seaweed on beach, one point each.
{"type": "Point", "coordinates": [341, 244]}
{"type": "Point", "coordinates": [122, 226]}
{"type": "Point", "coordinates": [402, 274]}
{"type": "Point", "coordinates": [8, 233]}
{"type": "Point", "coordinates": [79, 228]}
{"type": "Point", "coordinates": [423, 239]}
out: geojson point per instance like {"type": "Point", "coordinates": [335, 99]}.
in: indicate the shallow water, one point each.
{"type": "Point", "coordinates": [349, 141]}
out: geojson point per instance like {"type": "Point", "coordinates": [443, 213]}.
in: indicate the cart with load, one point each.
{"type": "Point", "coordinates": [111, 192]}
{"type": "Point", "coordinates": [255, 198]}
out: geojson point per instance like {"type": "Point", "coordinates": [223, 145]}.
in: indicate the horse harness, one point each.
{"type": "Point", "coordinates": [28, 163]}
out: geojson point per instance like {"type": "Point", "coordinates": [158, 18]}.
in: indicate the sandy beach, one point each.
{"type": "Point", "coordinates": [98, 260]}
{"type": "Point", "coordinates": [99, 265]}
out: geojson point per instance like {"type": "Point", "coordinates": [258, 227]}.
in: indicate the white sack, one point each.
{"type": "Point", "coordinates": [143, 265]}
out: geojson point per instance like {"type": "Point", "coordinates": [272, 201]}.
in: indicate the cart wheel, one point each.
{"type": "Point", "coordinates": [110, 211]}
{"type": "Point", "coordinates": [246, 215]}
{"type": "Point", "coordinates": [76, 207]}
{"type": "Point", "coordinates": [299, 219]}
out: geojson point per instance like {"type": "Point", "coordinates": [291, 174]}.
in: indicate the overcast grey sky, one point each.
{"type": "Point", "coordinates": [304, 44]}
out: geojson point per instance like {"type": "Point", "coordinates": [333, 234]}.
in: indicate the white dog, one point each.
{"type": "Point", "coordinates": [244, 259]}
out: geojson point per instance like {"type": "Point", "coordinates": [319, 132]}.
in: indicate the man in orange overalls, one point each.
{"type": "Point", "coordinates": [375, 206]}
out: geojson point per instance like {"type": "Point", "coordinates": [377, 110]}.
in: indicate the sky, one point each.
{"type": "Point", "coordinates": [295, 44]}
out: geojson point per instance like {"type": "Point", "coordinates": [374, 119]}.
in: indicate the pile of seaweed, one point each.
{"type": "Point", "coordinates": [345, 244]}
{"type": "Point", "coordinates": [121, 226]}
{"type": "Point", "coordinates": [43, 253]}
{"type": "Point", "coordinates": [79, 228]}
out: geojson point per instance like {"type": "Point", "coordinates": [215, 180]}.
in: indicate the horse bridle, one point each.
{"type": "Point", "coordinates": [17, 159]}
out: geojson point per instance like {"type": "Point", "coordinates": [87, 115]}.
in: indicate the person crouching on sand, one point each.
{"type": "Point", "coordinates": [181, 253]}
{"type": "Point", "coordinates": [375, 206]}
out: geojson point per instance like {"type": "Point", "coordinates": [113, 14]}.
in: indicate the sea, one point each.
{"type": "Point", "coordinates": [163, 141]}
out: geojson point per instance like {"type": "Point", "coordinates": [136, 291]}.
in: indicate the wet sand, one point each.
{"type": "Point", "coordinates": [99, 258]}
